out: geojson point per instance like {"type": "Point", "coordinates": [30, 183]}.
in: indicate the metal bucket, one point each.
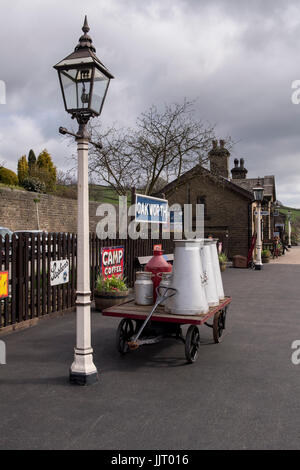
{"type": "Point", "coordinates": [143, 288]}
{"type": "Point", "coordinates": [190, 298]}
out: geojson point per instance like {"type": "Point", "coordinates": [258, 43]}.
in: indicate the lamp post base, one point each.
{"type": "Point", "coordinates": [258, 267]}
{"type": "Point", "coordinates": [289, 246]}
{"type": "Point", "coordinates": [83, 379]}
{"type": "Point", "coordinates": [83, 370]}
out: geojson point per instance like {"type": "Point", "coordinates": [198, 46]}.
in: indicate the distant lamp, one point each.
{"type": "Point", "coordinates": [258, 191]}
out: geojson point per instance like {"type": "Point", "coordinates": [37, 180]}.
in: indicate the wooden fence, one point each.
{"type": "Point", "coordinates": [27, 258]}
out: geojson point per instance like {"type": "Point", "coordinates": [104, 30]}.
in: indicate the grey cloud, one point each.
{"type": "Point", "coordinates": [237, 58]}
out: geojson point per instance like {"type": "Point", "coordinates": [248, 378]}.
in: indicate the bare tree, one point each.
{"type": "Point", "coordinates": [164, 145]}
{"type": "Point", "coordinates": [112, 163]}
{"type": "Point", "coordinates": [66, 178]}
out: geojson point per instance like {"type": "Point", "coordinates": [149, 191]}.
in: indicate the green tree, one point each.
{"type": "Point", "coordinates": [45, 170]}
{"type": "Point", "coordinates": [22, 169]}
{"type": "Point", "coordinates": [31, 160]}
{"type": "Point", "coordinates": [8, 176]}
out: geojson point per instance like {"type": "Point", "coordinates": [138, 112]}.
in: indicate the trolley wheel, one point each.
{"type": "Point", "coordinates": [192, 343]}
{"type": "Point", "coordinates": [124, 333]}
{"type": "Point", "coordinates": [219, 325]}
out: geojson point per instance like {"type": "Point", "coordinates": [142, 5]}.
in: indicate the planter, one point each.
{"type": "Point", "coordinates": [108, 299]}
{"type": "Point", "coordinates": [222, 267]}
{"type": "Point", "coordinates": [265, 259]}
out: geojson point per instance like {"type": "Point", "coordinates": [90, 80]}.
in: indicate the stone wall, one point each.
{"type": "Point", "coordinates": [18, 211]}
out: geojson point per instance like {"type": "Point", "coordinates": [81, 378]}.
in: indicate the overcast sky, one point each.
{"type": "Point", "coordinates": [237, 58]}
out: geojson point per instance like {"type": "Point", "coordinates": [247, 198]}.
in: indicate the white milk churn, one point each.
{"type": "Point", "coordinates": [217, 270]}
{"type": "Point", "coordinates": [143, 288]}
{"type": "Point", "coordinates": [208, 269]}
{"type": "Point", "coordinates": [190, 297]}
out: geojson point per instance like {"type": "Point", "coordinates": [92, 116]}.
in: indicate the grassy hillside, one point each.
{"type": "Point", "coordinates": [105, 194]}
{"type": "Point", "coordinates": [295, 220]}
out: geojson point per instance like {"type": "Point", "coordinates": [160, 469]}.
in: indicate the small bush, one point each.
{"type": "Point", "coordinates": [110, 284]}
{"type": "Point", "coordinates": [34, 184]}
{"type": "Point", "coordinates": [8, 177]}
{"type": "Point", "coordinates": [223, 258]}
{"type": "Point", "coordinates": [266, 253]}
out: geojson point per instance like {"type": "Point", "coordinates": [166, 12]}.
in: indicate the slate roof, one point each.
{"type": "Point", "coordinates": [268, 182]}
{"type": "Point", "coordinates": [200, 170]}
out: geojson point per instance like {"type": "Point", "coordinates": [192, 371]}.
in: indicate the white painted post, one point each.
{"type": "Point", "coordinates": [83, 370]}
{"type": "Point", "coordinates": [258, 261]}
{"type": "Point", "coordinates": [289, 231]}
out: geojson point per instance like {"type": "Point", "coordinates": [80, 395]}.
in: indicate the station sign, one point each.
{"type": "Point", "coordinates": [151, 209]}
{"type": "Point", "coordinates": [3, 284]}
{"type": "Point", "coordinates": [262, 213]}
{"type": "Point", "coordinates": [59, 272]}
{"type": "Point", "coordinates": [112, 261]}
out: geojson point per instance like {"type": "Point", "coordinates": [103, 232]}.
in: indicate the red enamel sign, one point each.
{"type": "Point", "coordinates": [112, 261]}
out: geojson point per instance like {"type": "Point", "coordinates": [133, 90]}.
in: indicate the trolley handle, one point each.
{"type": "Point", "coordinates": [165, 294]}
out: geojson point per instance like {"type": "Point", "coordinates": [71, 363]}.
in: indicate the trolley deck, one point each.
{"type": "Point", "coordinates": [164, 324]}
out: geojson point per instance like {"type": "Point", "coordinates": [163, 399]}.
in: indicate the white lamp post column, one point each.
{"type": "Point", "coordinates": [258, 191]}
{"type": "Point", "coordinates": [84, 82]}
{"type": "Point", "coordinates": [289, 229]}
{"type": "Point", "coordinates": [258, 261]}
{"type": "Point", "coordinates": [83, 371]}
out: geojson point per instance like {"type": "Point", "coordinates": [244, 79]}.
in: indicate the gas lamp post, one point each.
{"type": "Point", "coordinates": [84, 81]}
{"type": "Point", "coordinates": [289, 228]}
{"type": "Point", "coordinates": [258, 191]}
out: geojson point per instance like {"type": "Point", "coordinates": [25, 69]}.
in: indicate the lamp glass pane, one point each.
{"type": "Point", "coordinates": [70, 90]}
{"type": "Point", "coordinates": [99, 89]}
{"type": "Point", "coordinates": [76, 85]}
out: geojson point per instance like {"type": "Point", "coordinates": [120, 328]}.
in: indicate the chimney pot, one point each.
{"type": "Point", "coordinates": [215, 144]}
{"type": "Point", "coordinates": [222, 143]}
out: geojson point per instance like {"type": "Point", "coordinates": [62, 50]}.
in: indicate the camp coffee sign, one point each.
{"type": "Point", "coordinates": [112, 261]}
{"type": "Point", "coordinates": [59, 272]}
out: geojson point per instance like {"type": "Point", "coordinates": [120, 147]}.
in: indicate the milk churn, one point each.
{"type": "Point", "coordinates": [190, 298]}
{"type": "Point", "coordinates": [217, 270]}
{"type": "Point", "coordinates": [208, 268]}
{"type": "Point", "coordinates": [166, 281]}
{"type": "Point", "coordinates": [157, 265]}
{"type": "Point", "coordinates": [143, 288]}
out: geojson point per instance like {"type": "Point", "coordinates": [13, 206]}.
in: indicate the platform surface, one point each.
{"type": "Point", "coordinates": [140, 312]}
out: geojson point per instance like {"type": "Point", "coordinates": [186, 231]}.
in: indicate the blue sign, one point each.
{"type": "Point", "coordinates": [151, 209]}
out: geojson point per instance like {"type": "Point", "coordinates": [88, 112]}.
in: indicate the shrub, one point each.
{"type": "Point", "coordinates": [223, 258]}
{"type": "Point", "coordinates": [266, 253]}
{"type": "Point", "coordinates": [34, 184]}
{"type": "Point", "coordinates": [110, 284]}
{"type": "Point", "coordinates": [8, 177]}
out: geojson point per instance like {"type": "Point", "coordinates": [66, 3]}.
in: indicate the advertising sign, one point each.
{"type": "Point", "coordinates": [112, 261]}
{"type": "Point", "coordinates": [3, 284]}
{"type": "Point", "coordinates": [151, 209]}
{"type": "Point", "coordinates": [59, 272]}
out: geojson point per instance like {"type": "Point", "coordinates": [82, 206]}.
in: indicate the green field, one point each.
{"type": "Point", "coordinates": [105, 194]}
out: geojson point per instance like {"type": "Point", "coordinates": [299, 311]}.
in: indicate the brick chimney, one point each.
{"type": "Point", "coordinates": [239, 171]}
{"type": "Point", "coordinates": [219, 159]}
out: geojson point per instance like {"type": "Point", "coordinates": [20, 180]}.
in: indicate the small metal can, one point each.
{"type": "Point", "coordinates": [143, 288]}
